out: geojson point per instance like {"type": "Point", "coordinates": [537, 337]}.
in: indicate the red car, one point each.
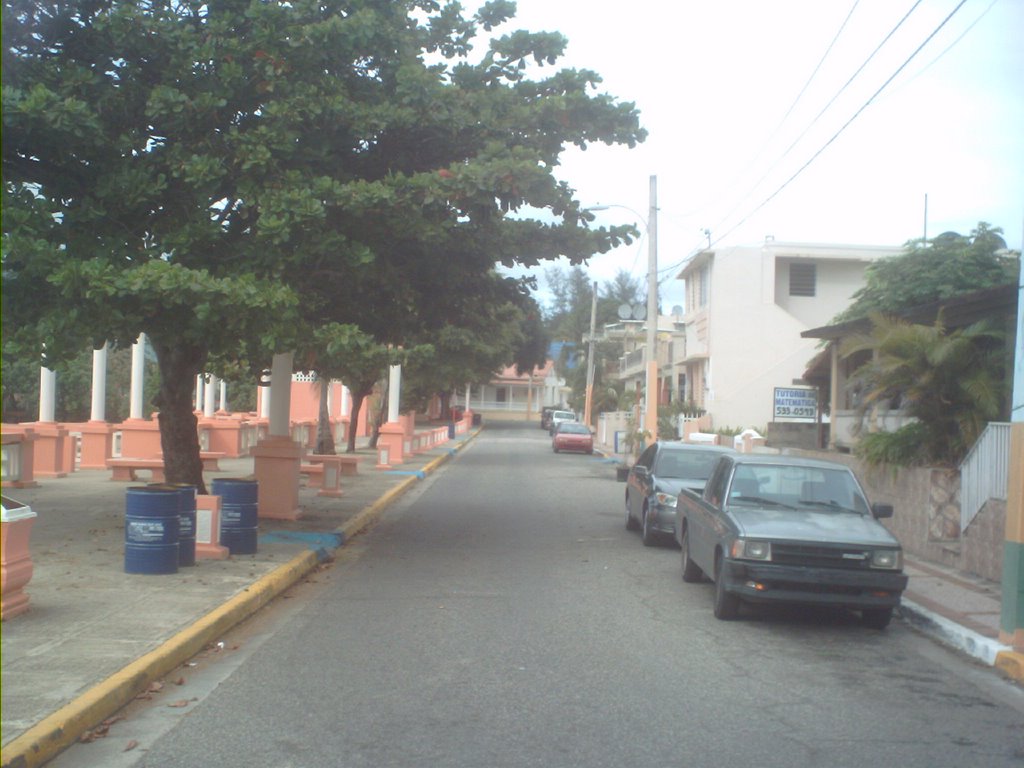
{"type": "Point", "coordinates": [572, 436]}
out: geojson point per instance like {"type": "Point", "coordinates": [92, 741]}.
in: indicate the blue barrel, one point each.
{"type": "Point", "coordinates": [151, 529]}
{"type": "Point", "coordinates": [238, 513]}
{"type": "Point", "coordinates": [187, 524]}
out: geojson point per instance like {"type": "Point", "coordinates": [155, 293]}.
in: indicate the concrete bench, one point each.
{"type": "Point", "coordinates": [324, 473]}
{"type": "Point", "coordinates": [125, 470]}
{"type": "Point", "coordinates": [349, 464]}
{"type": "Point", "coordinates": [211, 460]}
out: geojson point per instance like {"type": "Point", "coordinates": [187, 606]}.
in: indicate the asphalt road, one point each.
{"type": "Point", "coordinates": [501, 615]}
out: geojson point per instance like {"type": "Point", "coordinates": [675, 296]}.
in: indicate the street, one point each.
{"type": "Point", "coordinates": [501, 615]}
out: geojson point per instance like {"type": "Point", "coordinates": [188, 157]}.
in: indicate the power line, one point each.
{"type": "Point", "coordinates": [836, 135]}
{"type": "Point", "coordinates": [824, 109]}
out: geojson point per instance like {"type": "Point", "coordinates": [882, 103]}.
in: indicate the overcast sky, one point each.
{"type": "Point", "coordinates": [735, 95]}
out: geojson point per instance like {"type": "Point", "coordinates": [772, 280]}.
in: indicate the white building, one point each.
{"type": "Point", "coordinates": [746, 307]}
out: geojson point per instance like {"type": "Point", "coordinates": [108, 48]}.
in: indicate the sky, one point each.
{"type": "Point", "coordinates": [778, 119]}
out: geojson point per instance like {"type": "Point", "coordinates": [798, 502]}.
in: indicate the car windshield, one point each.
{"type": "Point", "coordinates": [690, 465]}
{"type": "Point", "coordinates": [573, 428]}
{"type": "Point", "coordinates": [797, 488]}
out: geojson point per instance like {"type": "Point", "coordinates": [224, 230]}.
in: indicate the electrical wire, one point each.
{"type": "Point", "coordinates": [824, 109]}
{"type": "Point", "coordinates": [828, 143]}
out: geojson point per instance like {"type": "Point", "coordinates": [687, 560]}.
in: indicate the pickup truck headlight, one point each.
{"type": "Point", "coordinates": [889, 559]}
{"type": "Point", "coordinates": [666, 499]}
{"type": "Point", "coordinates": [751, 549]}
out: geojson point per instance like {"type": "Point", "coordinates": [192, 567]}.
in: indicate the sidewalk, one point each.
{"type": "Point", "coordinates": [95, 637]}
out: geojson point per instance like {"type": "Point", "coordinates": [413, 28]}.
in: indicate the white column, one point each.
{"type": "Point", "coordinates": [200, 391]}
{"type": "Point", "coordinates": [99, 384]}
{"type": "Point", "coordinates": [394, 392]}
{"type": "Point", "coordinates": [138, 376]}
{"type": "Point", "coordinates": [47, 394]}
{"type": "Point", "coordinates": [263, 397]}
{"type": "Point", "coordinates": [280, 395]}
{"type": "Point", "coordinates": [223, 395]}
{"type": "Point", "coordinates": [210, 396]}
{"type": "Point", "coordinates": [469, 392]}
{"type": "Point", "coordinates": [346, 401]}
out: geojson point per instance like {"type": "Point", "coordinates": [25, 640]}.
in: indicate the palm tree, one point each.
{"type": "Point", "coordinates": [949, 382]}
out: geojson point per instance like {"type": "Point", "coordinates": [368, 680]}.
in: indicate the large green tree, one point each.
{"type": "Point", "coordinates": [933, 270]}
{"type": "Point", "coordinates": [197, 170]}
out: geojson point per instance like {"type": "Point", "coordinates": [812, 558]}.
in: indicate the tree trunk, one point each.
{"type": "Point", "coordinates": [446, 405]}
{"type": "Point", "coordinates": [353, 424]}
{"type": "Point", "coordinates": [324, 436]}
{"type": "Point", "coordinates": [179, 438]}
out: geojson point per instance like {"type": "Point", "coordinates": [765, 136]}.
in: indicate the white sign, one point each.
{"type": "Point", "coordinates": [796, 404]}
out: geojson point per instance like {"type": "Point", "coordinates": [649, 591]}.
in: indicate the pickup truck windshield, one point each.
{"type": "Point", "coordinates": [797, 488]}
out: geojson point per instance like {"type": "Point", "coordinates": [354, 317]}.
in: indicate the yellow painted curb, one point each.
{"type": "Point", "coordinates": [1011, 664]}
{"type": "Point", "coordinates": [57, 732]}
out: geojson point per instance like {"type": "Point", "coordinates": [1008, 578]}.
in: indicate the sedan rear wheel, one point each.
{"type": "Point", "coordinates": [727, 605]}
{"type": "Point", "coordinates": [691, 571]}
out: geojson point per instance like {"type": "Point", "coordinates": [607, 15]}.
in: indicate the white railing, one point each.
{"type": "Point", "coordinates": [984, 472]}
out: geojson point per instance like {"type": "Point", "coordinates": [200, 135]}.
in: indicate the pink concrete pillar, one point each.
{"type": "Point", "coordinates": [97, 444]}
{"type": "Point", "coordinates": [15, 561]}
{"type": "Point", "coordinates": [277, 458]}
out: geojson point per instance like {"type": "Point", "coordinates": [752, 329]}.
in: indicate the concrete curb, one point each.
{"type": "Point", "coordinates": [52, 735]}
{"type": "Point", "coordinates": [982, 648]}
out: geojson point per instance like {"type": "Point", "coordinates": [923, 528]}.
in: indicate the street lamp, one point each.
{"type": "Point", "coordinates": [650, 351]}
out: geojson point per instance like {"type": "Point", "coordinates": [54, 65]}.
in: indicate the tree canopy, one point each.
{"type": "Point", "coordinates": [933, 270]}
{"type": "Point", "coordinates": [220, 175]}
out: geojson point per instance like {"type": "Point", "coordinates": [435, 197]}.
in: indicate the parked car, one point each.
{"type": "Point", "coordinates": [545, 416]}
{"type": "Point", "coordinates": [572, 436]}
{"type": "Point", "coordinates": [781, 529]}
{"type": "Point", "coordinates": [557, 417]}
{"type": "Point", "coordinates": [655, 480]}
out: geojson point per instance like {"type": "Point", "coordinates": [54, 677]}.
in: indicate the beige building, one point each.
{"type": "Point", "coordinates": [746, 308]}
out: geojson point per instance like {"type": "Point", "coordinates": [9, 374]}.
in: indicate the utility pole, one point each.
{"type": "Point", "coordinates": [651, 352]}
{"type": "Point", "coordinates": [590, 359]}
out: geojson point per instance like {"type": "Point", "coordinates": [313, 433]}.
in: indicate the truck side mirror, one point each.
{"type": "Point", "coordinates": [879, 511]}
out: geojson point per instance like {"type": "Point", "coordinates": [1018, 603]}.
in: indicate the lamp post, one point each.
{"type": "Point", "coordinates": [650, 348]}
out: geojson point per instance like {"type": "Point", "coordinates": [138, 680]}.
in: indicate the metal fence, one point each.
{"type": "Point", "coordinates": [984, 472]}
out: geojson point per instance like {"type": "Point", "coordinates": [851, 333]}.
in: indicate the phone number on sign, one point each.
{"type": "Point", "coordinates": [794, 411]}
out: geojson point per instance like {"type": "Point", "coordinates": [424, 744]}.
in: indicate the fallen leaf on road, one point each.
{"type": "Point", "coordinates": [131, 745]}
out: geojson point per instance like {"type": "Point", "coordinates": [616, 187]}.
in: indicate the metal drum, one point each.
{"type": "Point", "coordinates": [238, 515]}
{"type": "Point", "coordinates": [151, 530]}
{"type": "Point", "coordinates": [187, 523]}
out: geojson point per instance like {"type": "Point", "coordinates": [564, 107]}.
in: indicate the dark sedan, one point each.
{"type": "Point", "coordinates": [655, 480]}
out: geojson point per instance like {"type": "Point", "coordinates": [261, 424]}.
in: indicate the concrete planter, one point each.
{"type": "Point", "coordinates": [16, 521]}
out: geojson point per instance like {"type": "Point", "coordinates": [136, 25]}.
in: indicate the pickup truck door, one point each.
{"type": "Point", "coordinates": [703, 517]}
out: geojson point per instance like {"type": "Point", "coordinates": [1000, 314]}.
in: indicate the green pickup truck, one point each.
{"type": "Point", "coordinates": [782, 529]}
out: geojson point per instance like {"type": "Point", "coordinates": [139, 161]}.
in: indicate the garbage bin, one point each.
{"type": "Point", "coordinates": [478, 419]}
{"type": "Point", "coordinates": [451, 430]}
{"type": "Point", "coordinates": [152, 526]}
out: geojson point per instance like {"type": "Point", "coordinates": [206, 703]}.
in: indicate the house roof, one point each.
{"type": "Point", "coordinates": [509, 374]}
{"type": "Point", "coordinates": [957, 311]}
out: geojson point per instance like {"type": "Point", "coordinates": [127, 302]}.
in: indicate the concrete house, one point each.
{"type": "Point", "coordinates": [746, 308]}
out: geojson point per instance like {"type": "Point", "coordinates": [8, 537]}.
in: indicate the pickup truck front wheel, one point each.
{"type": "Point", "coordinates": [630, 522]}
{"type": "Point", "coordinates": [691, 571]}
{"type": "Point", "coordinates": [727, 605]}
{"type": "Point", "coordinates": [877, 618]}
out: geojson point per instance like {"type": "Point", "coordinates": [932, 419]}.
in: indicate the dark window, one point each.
{"type": "Point", "coordinates": [802, 279]}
